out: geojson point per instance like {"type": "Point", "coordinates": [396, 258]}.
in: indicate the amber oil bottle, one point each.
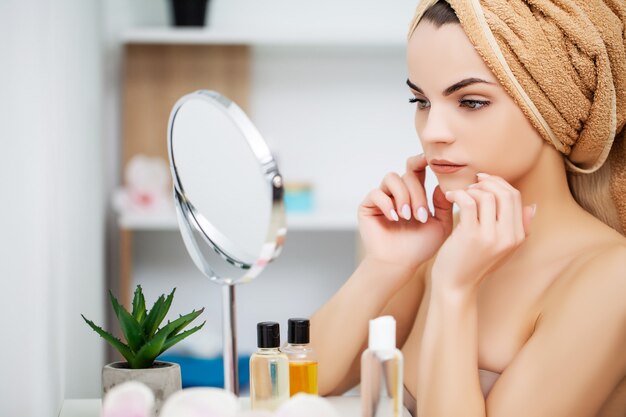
{"type": "Point", "coordinates": [302, 358]}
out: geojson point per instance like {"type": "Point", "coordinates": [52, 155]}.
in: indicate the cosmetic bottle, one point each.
{"type": "Point", "coordinates": [302, 358]}
{"type": "Point", "coordinates": [382, 371]}
{"type": "Point", "coordinates": [269, 370]}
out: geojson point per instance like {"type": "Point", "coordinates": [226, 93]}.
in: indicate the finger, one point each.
{"type": "Point", "coordinates": [443, 210]}
{"type": "Point", "coordinates": [468, 214]}
{"type": "Point", "coordinates": [394, 186]}
{"type": "Point", "coordinates": [379, 203]}
{"type": "Point", "coordinates": [508, 204]}
{"type": "Point", "coordinates": [483, 176]}
{"type": "Point", "coordinates": [417, 164]}
{"type": "Point", "coordinates": [529, 213]}
{"type": "Point", "coordinates": [486, 209]}
{"type": "Point", "coordinates": [417, 194]}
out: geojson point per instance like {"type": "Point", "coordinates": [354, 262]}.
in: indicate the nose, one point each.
{"type": "Point", "coordinates": [436, 129]}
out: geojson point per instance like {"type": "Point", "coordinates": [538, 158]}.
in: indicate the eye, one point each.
{"type": "Point", "coordinates": [421, 104]}
{"type": "Point", "coordinates": [474, 104]}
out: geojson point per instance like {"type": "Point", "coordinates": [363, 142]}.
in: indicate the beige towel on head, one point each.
{"type": "Point", "coordinates": [564, 63]}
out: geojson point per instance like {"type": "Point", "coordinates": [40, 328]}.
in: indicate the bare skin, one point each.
{"type": "Point", "coordinates": [537, 298]}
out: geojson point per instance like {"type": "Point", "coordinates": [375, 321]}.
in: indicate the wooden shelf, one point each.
{"type": "Point", "coordinates": [170, 35]}
{"type": "Point", "coordinates": [154, 77]}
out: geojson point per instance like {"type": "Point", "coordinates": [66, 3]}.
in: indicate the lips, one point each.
{"type": "Point", "coordinates": [443, 162]}
{"type": "Point", "coordinates": [446, 169]}
{"type": "Point", "coordinates": [443, 166]}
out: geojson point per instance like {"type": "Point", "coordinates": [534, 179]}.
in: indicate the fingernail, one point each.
{"type": "Point", "coordinates": [422, 215]}
{"type": "Point", "coordinates": [421, 155]}
{"type": "Point", "coordinates": [406, 212]}
{"type": "Point", "coordinates": [534, 210]}
{"type": "Point", "coordinates": [394, 215]}
{"type": "Point", "coordinates": [473, 185]}
{"type": "Point", "coordinates": [482, 175]}
{"type": "Point", "coordinates": [448, 194]}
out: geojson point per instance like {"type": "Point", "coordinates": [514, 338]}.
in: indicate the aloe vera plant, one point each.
{"type": "Point", "coordinates": [144, 339]}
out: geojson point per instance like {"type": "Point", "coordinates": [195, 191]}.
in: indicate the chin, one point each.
{"type": "Point", "coordinates": [448, 183]}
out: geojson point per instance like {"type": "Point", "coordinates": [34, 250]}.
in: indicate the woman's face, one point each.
{"type": "Point", "coordinates": [463, 115]}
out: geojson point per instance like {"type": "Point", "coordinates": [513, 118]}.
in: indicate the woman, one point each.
{"type": "Point", "coordinates": [518, 308]}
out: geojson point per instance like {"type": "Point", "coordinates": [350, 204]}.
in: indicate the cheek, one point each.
{"type": "Point", "coordinates": [500, 142]}
{"type": "Point", "coordinates": [509, 146]}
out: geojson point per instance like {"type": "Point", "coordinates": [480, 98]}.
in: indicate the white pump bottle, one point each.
{"type": "Point", "coordinates": [382, 367]}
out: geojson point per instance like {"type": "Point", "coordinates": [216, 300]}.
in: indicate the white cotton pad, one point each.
{"type": "Point", "coordinates": [131, 398]}
{"type": "Point", "coordinates": [306, 405]}
{"type": "Point", "coordinates": [201, 402]}
{"type": "Point", "coordinates": [255, 413]}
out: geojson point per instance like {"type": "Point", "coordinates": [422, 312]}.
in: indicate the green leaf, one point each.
{"type": "Point", "coordinates": [171, 341]}
{"type": "Point", "coordinates": [114, 341]}
{"type": "Point", "coordinates": [164, 309]}
{"type": "Point", "coordinates": [190, 317]}
{"type": "Point", "coordinates": [152, 316]}
{"type": "Point", "coordinates": [148, 353]}
{"type": "Point", "coordinates": [172, 328]}
{"type": "Point", "coordinates": [132, 330]}
{"type": "Point", "coordinates": [139, 305]}
{"type": "Point", "coordinates": [157, 314]}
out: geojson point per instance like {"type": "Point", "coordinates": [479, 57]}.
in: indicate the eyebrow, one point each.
{"type": "Point", "coordinates": [454, 87]}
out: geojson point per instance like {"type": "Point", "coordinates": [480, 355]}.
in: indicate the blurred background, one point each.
{"type": "Point", "coordinates": [86, 88]}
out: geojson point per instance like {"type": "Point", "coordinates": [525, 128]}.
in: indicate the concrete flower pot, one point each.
{"type": "Point", "coordinates": [163, 378]}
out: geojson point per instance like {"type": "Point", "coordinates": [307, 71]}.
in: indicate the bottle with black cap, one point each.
{"type": "Point", "coordinates": [269, 369]}
{"type": "Point", "coordinates": [302, 358]}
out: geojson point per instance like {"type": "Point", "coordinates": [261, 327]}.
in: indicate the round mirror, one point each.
{"type": "Point", "coordinates": [228, 195]}
{"type": "Point", "coordinates": [227, 186]}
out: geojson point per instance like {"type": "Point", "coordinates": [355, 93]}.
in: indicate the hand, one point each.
{"type": "Point", "coordinates": [391, 238]}
{"type": "Point", "coordinates": [492, 224]}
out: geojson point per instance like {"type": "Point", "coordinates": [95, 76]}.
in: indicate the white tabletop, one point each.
{"type": "Point", "coordinates": [346, 406]}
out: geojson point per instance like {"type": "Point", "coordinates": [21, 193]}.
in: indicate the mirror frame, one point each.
{"type": "Point", "coordinates": [193, 221]}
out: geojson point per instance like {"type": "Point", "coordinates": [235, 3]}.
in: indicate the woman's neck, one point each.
{"type": "Point", "coordinates": [558, 214]}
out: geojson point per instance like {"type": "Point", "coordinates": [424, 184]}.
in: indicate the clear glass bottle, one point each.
{"type": "Point", "coordinates": [302, 358]}
{"type": "Point", "coordinates": [382, 371]}
{"type": "Point", "coordinates": [269, 370]}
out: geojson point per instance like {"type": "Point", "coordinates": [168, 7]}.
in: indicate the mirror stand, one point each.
{"type": "Point", "coordinates": [188, 223]}
{"type": "Point", "coordinates": [229, 336]}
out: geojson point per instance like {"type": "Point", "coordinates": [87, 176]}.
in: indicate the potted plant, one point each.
{"type": "Point", "coordinates": [145, 341]}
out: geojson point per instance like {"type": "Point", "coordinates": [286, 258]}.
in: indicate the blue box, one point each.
{"type": "Point", "coordinates": [298, 198]}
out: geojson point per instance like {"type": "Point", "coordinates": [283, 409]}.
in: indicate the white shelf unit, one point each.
{"type": "Point", "coordinates": [334, 105]}
{"type": "Point", "coordinates": [170, 35]}
{"type": "Point", "coordinates": [328, 221]}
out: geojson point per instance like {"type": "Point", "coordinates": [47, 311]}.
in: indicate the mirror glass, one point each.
{"type": "Point", "coordinates": [228, 188]}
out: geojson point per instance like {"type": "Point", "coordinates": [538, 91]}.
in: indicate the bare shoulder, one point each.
{"type": "Point", "coordinates": [607, 266]}
{"type": "Point", "coordinates": [577, 343]}
{"type": "Point", "coordinates": [609, 257]}
{"type": "Point", "coordinates": [594, 281]}
{"type": "Point", "coordinates": [603, 254]}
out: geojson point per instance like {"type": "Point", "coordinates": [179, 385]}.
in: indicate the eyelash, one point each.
{"type": "Point", "coordinates": [482, 103]}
